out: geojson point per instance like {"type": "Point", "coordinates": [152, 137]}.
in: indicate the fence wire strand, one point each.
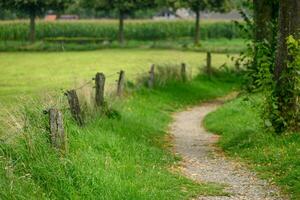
{"type": "Point", "coordinates": [85, 84]}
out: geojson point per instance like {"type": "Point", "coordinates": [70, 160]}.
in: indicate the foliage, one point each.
{"type": "Point", "coordinates": [274, 157]}
{"type": "Point", "coordinates": [125, 6]}
{"type": "Point", "coordinates": [259, 58]}
{"type": "Point", "coordinates": [198, 5]}
{"type": "Point", "coordinates": [134, 30]}
{"type": "Point", "coordinates": [259, 72]}
{"type": "Point", "coordinates": [278, 115]}
{"type": "Point", "coordinates": [212, 5]}
{"type": "Point", "coordinates": [34, 7]}
{"type": "Point", "coordinates": [285, 114]}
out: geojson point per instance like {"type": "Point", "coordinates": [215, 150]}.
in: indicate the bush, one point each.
{"type": "Point", "coordinates": [138, 30]}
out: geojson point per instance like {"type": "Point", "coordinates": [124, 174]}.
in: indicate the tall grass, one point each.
{"type": "Point", "coordinates": [110, 158]}
{"type": "Point", "coordinates": [137, 30]}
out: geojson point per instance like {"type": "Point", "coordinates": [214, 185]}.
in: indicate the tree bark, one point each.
{"type": "Point", "coordinates": [121, 27]}
{"type": "Point", "coordinates": [197, 27]}
{"type": "Point", "coordinates": [289, 24]}
{"type": "Point", "coordinates": [263, 16]}
{"type": "Point", "coordinates": [32, 27]}
{"type": "Point", "coordinates": [286, 100]}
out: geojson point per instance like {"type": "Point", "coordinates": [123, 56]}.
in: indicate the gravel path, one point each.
{"type": "Point", "coordinates": [204, 162]}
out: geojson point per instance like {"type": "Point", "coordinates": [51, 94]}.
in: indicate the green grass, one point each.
{"type": "Point", "coordinates": [213, 45]}
{"type": "Point", "coordinates": [31, 73]}
{"type": "Point", "coordinates": [122, 158]}
{"type": "Point", "coordinates": [276, 158]}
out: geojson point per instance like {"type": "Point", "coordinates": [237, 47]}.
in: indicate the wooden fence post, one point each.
{"type": "Point", "coordinates": [183, 72]}
{"type": "Point", "coordinates": [100, 83]}
{"type": "Point", "coordinates": [208, 63]}
{"type": "Point", "coordinates": [121, 83]}
{"type": "Point", "coordinates": [151, 76]}
{"type": "Point", "coordinates": [57, 132]}
{"type": "Point", "coordinates": [75, 106]}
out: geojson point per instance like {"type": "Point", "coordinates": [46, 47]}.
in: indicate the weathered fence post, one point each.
{"type": "Point", "coordinates": [121, 83]}
{"type": "Point", "coordinates": [75, 106]}
{"type": "Point", "coordinates": [57, 132]}
{"type": "Point", "coordinates": [208, 63]}
{"type": "Point", "coordinates": [100, 83]}
{"type": "Point", "coordinates": [183, 72]}
{"type": "Point", "coordinates": [151, 76]}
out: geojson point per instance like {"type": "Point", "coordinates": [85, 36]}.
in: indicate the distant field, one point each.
{"type": "Point", "coordinates": [205, 21]}
{"type": "Point", "coordinates": [108, 29]}
{"type": "Point", "coordinates": [34, 73]}
{"type": "Point", "coordinates": [116, 22]}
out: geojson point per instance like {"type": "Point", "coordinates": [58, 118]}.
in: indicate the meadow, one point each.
{"type": "Point", "coordinates": [35, 74]}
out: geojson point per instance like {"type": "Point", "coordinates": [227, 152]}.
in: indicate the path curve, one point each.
{"type": "Point", "coordinates": [203, 162]}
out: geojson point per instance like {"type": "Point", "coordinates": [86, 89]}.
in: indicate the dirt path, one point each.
{"type": "Point", "coordinates": [203, 162]}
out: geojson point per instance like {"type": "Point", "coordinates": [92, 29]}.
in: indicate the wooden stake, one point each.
{"type": "Point", "coordinates": [57, 133]}
{"type": "Point", "coordinates": [75, 106]}
{"type": "Point", "coordinates": [100, 83]}
{"type": "Point", "coordinates": [151, 77]}
{"type": "Point", "coordinates": [121, 83]}
{"type": "Point", "coordinates": [208, 64]}
{"type": "Point", "coordinates": [183, 72]}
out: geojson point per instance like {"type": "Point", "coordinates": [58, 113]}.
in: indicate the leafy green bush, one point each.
{"type": "Point", "coordinates": [138, 30]}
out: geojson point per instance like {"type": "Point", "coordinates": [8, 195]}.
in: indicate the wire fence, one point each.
{"type": "Point", "coordinates": [73, 106]}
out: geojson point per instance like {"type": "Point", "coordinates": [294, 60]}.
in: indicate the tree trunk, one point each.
{"type": "Point", "coordinates": [284, 92]}
{"type": "Point", "coordinates": [121, 27]}
{"type": "Point", "coordinates": [263, 16]}
{"type": "Point", "coordinates": [197, 27]}
{"type": "Point", "coordinates": [289, 24]}
{"type": "Point", "coordinates": [32, 27]}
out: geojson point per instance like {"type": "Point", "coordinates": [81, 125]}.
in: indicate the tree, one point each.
{"type": "Point", "coordinates": [197, 6]}
{"type": "Point", "coordinates": [265, 14]}
{"type": "Point", "coordinates": [286, 98]}
{"type": "Point", "coordinates": [123, 7]}
{"type": "Point", "coordinates": [33, 8]}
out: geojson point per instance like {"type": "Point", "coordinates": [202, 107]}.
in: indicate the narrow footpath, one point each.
{"type": "Point", "coordinates": [204, 162]}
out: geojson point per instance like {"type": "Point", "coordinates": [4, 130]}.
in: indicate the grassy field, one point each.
{"type": "Point", "coordinates": [34, 74]}
{"type": "Point", "coordinates": [109, 158]}
{"type": "Point", "coordinates": [276, 158]}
